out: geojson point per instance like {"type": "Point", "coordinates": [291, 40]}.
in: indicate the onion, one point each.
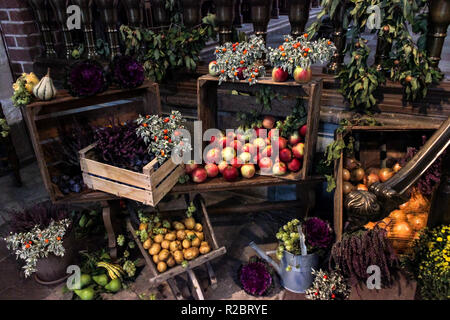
{"type": "Point", "coordinates": [362, 187]}
{"type": "Point", "coordinates": [396, 167]}
{"type": "Point", "coordinates": [372, 178]}
{"type": "Point", "coordinates": [357, 175]}
{"type": "Point", "coordinates": [385, 174]}
{"type": "Point", "coordinates": [347, 187]}
{"type": "Point", "coordinates": [345, 175]}
{"type": "Point", "coordinates": [351, 163]}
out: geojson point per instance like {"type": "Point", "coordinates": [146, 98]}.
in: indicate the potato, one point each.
{"type": "Point", "coordinates": [154, 249]}
{"type": "Point", "coordinates": [156, 259]}
{"type": "Point", "coordinates": [178, 256]}
{"type": "Point", "coordinates": [204, 243]}
{"type": "Point", "coordinates": [189, 223]}
{"type": "Point", "coordinates": [171, 262]}
{"type": "Point", "coordinates": [196, 242]}
{"type": "Point", "coordinates": [198, 227]}
{"type": "Point", "coordinates": [158, 238]}
{"type": "Point", "coordinates": [175, 245]}
{"type": "Point", "coordinates": [164, 255]}
{"type": "Point", "coordinates": [190, 234]}
{"type": "Point", "coordinates": [186, 244]}
{"type": "Point", "coordinates": [147, 244]}
{"type": "Point", "coordinates": [165, 244]}
{"type": "Point", "coordinates": [181, 235]}
{"type": "Point", "coordinates": [171, 236]}
{"type": "Point", "coordinates": [205, 249]}
{"type": "Point", "coordinates": [200, 235]}
{"type": "Point", "coordinates": [163, 231]}
{"type": "Point", "coordinates": [162, 266]}
{"type": "Point", "coordinates": [178, 225]}
{"type": "Point", "coordinates": [191, 253]}
{"type": "Point", "coordinates": [143, 226]}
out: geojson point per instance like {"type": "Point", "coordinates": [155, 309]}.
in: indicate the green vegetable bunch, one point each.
{"type": "Point", "coordinates": [288, 238]}
{"type": "Point", "coordinates": [171, 48]}
{"type": "Point", "coordinates": [4, 128]}
{"type": "Point", "coordinates": [21, 96]}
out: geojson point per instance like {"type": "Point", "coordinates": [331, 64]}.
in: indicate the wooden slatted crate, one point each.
{"type": "Point", "coordinates": [208, 103]}
{"type": "Point", "coordinates": [44, 120]}
{"type": "Point", "coordinates": [148, 187]}
{"type": "Point", "coordinates": [377, 145]}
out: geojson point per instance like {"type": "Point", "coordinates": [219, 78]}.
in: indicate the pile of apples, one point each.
{"type": "Point", "coordinates": [356, 178]}
{"type": "Point", "coordinates": [231, 158]}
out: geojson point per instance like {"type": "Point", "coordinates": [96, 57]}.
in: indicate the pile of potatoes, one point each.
{"type": "Point", "coordinates": [183, 242]}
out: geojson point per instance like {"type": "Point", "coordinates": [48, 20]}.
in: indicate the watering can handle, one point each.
{"type": "Point", "coordinates": [264, 256]}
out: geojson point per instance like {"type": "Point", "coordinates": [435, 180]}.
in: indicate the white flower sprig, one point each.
{"type": "Point", "coordinates": [300, 52]}
{"type": "Point", "coordinates": [241, 60]}
{"type": "Point", "coordinates": [328, 286]}
{"type": "Point", "coordinates": [161, 136]}
{"type": "Point", "coordinates": [38, 243]}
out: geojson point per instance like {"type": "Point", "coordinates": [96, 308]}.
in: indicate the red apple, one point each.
{"type": "Point", "coordinates": [302, 75]}
{"type": "Point", "coordinates": [285, 155]}
{"type": "Point", "coordinates": [268, 122]}
{"type": "Point", "coordinates": [248, 170]}
{"type": "Point", "coordinates": [298, 150]}
{"type": "Point", "coordinates": [228, 154]}
{"type": "Point", "coordinates": [213, 156]}
{"type": "Point", "coordinates": [279, 168]}
{"type": "Point", "coordinates": [222, 166]}
{"type": "Point", "coordinates": [302, 130]}
{"type": "Point", "coordinates": [279, 75]}
{"type": "Point", "coordinates": [244, 157]}
{"type": "Point", "coordinates": [190, 167]}
{"type": "Point", "coordinates": [222, 142]}
{"type": "Point", "coordinates": [213, 68]}
{"type": "Point", "coordinates": [199, 175]}
{"type": "Point", "coordinates": [267, 152]}
{"type": "Point", "coordinates": [236, 163]}
{"type": "Point", "coordinates": [231, 136]}
{"type": "Point", "coordinates": [259, 143]}
{"type": "Point", "coordinates": [236, 144]}
{"type": "Point", "coordinates": [265, 163]}
{"type": "Point", "coordinates": [261, 132]}
{"type": "Point", "coordinates": [212, 170]}
{"type": "Point", "coordinates": [294, 165]}
{"type": "Point", "coordinates": [250, 148]}
{"type": "Point", "coordinates": [282, 143]}
{"type": "Point", "coordinates": [294, 139]}
{"type": "Point", "coordinates": [230, 173]}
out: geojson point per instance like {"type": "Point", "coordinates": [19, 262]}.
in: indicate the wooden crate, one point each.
{"type": "Point", "coordinates": [43, 118]}
{"type": "Point", "coordinates": [379, 146]}
{"type": "Point", "coordinates": [207, 108]}
{"type": "Point", "coordinates": [201, 215]}
{"type": "Point", "coordinates": [148, 187]}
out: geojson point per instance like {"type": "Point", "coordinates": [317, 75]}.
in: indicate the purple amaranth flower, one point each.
{"type": "Point", "coordinates": [127, 72]}
{"type": "Point", "coordinates": [318, 233]}
{"type": "Point", "coordinates": [86, 78]}
{"type": "Point", "coordinates": [255, 278]}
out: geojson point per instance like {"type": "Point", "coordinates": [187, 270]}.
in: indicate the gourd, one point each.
{"type": "Point", "coordinates": [45, 90]}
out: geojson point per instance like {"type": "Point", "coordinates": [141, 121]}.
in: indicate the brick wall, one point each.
{"type": "Point", "coordinates": [21, 34]}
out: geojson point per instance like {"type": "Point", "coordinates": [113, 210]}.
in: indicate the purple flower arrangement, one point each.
{"type": "Point", "coordinates": [256, 278]}
{"type": "Point", "coordinates": [86, 78]}
{"type": "Point", "coordinates": [127, 72]}
{"type": "Point", "coordinates": [318, 233]}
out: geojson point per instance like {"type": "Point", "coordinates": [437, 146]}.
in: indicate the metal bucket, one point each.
{"type": "Point", "coordinates": [299, 278]}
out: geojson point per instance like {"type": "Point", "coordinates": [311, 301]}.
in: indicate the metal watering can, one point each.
{"type": "Point", "coordinates": [299, 277]}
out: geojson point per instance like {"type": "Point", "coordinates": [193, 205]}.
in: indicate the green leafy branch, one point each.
{"type": "Point", "coordinates": [4, 128]}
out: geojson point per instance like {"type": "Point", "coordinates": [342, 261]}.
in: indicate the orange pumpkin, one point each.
{"type": "Point", "coordinates": [369, 225]}
{"type": "Point", "coordinates": [397, 215]}
{"type": "Point", "coordinates": [402, 229]}
{"type": "Point", "coordinates": [418, 222]}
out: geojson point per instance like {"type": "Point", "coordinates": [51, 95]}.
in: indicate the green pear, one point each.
{"type": "Point", "coordinates": [114, 286]}
{"type": "Point", "coordinates": [85, 279]}
{"type": "Point", "coordinates": [85, 294]}
{"type": "Point", "coordinates": [101, 280]}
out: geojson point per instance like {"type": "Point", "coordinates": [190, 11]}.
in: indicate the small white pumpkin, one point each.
{"type": "Point", "coordinates": [45, 90]}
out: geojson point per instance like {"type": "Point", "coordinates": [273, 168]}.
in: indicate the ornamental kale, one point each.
{"type": "Point", "coordinates": [318, 233]}
{"type": "Point", "coordinates": [127, 72]}
{"type": "Point", "coordinates": [86, 78]}
{"type": "Point", "coordinates": [255, 278]}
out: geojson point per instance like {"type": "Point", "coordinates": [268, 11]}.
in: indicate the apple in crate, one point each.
{"type": "Point", "coordinates": [294, 138]}
{"type": "Point", "coordinates": [250, 148]}
{"type": "Point", "coordinates": [213, 68]}
{"type": "Point", "coordinates": [199, 175]}
{"type": "Point", "coordinates": [265, 164]}
{"type": "Point", "coordinates": [294, 165]}
{"type": "Point", "coordinates": [282, 143]}
{"type": "Point", "coordinates": [248, 170]}
{"type": "Point", "coordinates": [302, 130]}
{"type": "Point", "coordinates": [212, 170]}
{"type": "Point", "coordinates": [236, 163]}
{"type": "Point", "coordinates": [222, 166]}
{"type": "Point", "coordinates": [213, 156]}
{"type": "Point", "coordinates": [279, 168]}
{"type": "Point", "coordinates": [230, 173]}
{"type": "Point", "coordinates": [285, 155]}
{"type": "Point", "coordinates": [268, 122]}
{"type": "Point", "coordinates": [244, 157]}
{"type": "Point", "coordinates": [267, 152]}
{"type": "Point", "coordinates": [222, 141]}
{"type": "Point", "coordinates": [259, 143]}
{"type": "Point", "coordinates": [236, 144]}
{"type": "Point", "coordinates": [228, 154]}
{"type": "Point", "coordinates": [299, 150]}
{"type": "Point", "coordinates": [190, 167]}
{"type": "Point", "coordinates": [302, 75]}
{"type": "Point", "coordinates": [279, 75]}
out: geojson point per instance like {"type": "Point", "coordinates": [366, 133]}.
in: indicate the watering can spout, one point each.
{"type": "Point", "coordinates": [265, 257]}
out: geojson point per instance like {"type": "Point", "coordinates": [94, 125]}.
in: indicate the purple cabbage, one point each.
{"type": "Point", "coordinates": [86, 78]}
{"type": "Point", "coordinates": [255, 278]}
{"type": "Point", "coordinates": [127, 72]}
{"type": "Point", "coordinates": [318, 233]}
